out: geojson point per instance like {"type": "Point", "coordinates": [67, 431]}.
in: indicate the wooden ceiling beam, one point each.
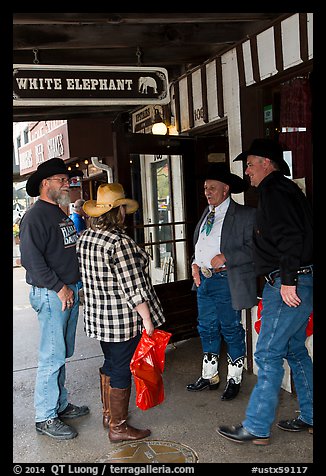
{"type": "Point", "coordinates": [172, 57]}
{"type": "Point", "coordinates": [24, 113]}
{"type": "Point", "coordinates": [137, 18]}
{"type": "Point", "coordinates": [121, 36]}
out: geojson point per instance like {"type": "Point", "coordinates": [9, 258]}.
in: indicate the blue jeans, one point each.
{"type": "Point", "coordinates": [56, 344]}
{"type": "Point", "coordinates": [117, 357]}
{"type": "Point", "coordinates": [216, 317]}
{"type": "Point", "coordinates": [282, 336]}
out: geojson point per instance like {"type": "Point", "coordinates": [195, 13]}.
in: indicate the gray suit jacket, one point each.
{"type": "Point", "coordinates": [237, 247]}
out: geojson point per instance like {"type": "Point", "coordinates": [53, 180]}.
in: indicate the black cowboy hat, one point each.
{"type": "Point", "coordinates": [47, 169]}
{"type": "Point", "coordinates": [267, 148]}
{"type": "Point", "coordinates": [219, 171]}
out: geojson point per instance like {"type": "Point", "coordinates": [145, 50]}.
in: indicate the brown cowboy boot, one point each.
{"type": "Point", "coordinates": [119, 429]}
{"type": "Point", "coordinates": [105, 398]}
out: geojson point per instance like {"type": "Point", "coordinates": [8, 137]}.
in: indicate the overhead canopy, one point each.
{"type": "Point", "coordinates": [176, 41]}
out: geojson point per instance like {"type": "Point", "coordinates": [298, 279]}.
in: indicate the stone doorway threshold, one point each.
{"type": "Point", "coordinates": [151, 451]}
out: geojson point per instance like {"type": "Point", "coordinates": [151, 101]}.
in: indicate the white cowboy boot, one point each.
{"type": "Point", "coordinates": [210, 377]}
{"type": "Point", "coordinates": [234, 378]}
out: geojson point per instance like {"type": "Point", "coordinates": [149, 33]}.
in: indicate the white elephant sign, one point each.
{"type": "Point", "coordinates": [38, 84]}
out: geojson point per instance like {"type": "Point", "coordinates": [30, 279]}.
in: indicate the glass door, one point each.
{"type": "Point", "coordinates": [163, 215]}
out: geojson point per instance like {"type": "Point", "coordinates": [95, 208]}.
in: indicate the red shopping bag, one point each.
{"type": "Point", "coordinates": [147, 365]}
{"type": "Point", "coordinates": [257, 324]}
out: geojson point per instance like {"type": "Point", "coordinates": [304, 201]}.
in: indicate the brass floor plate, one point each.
{"type": "Point", "coordinates": [151, 451]}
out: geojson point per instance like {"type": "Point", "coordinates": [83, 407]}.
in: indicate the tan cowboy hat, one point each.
{"type": "Point", "coordinates": [109, 195]}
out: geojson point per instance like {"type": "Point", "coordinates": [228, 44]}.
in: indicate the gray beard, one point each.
{"type": "Point", "coordinates": [63, 200]}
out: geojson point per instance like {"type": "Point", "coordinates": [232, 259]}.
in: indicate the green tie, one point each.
{"type": "Point", "coordinates": [209, 222]}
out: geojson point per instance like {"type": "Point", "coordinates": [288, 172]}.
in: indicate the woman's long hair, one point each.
{"type": "Point", "coordinates": [108, 221]}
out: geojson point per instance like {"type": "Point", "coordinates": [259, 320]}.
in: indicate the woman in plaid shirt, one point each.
{"type": "Point", "coordinates": [120, 301]}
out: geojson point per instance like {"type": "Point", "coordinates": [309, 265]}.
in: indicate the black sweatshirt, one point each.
{"type": "Point", "coordinates": [48, 247]}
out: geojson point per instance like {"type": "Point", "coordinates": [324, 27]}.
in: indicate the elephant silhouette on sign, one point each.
{"type": "Point", "coordinates": [145, 82]}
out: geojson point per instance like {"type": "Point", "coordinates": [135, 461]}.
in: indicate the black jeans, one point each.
{"type": "Point", "coordinates": [117, 357]}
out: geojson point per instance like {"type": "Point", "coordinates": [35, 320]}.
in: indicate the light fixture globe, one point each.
{"type": "Point", "coordinates": [159, 128]}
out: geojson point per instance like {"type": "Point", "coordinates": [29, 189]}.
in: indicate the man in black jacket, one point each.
{"type": "Point", "coordinates": [283, 255]}
{"type": "Point", "coordinates": [48, 253]}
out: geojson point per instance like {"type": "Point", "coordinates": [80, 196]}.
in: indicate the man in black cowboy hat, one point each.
{"type": "Point", "coordinates": [283, 255]}
{"type": "Point", "coordinates": [48, 253]}
{"type": "Point", "coordinates": [224, 277]}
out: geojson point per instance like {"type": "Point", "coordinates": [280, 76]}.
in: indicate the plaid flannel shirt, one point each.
{"type": "Point", "coordinates": [115, 276]}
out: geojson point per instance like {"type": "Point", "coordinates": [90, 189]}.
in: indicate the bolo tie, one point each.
{"type": "Point", "coordinates": [208, 225]}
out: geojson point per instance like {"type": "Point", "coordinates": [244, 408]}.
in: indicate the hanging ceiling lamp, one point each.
{"type": "Point", "coordinates": [159, 127]}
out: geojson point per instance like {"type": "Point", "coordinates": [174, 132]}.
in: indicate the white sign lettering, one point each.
{"type": "Point", "coordinates": [39, 153]}
{"type": "Point", "coordinates": [55, 146]}
{"type": "Point", "coordinates": [25, 159]}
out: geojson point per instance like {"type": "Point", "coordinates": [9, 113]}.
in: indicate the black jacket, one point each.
{"type": "Point", "coordinates": [283, 234]}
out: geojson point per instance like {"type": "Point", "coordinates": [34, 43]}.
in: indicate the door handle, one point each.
{"type": "Point", "coordinates": [150, 252]}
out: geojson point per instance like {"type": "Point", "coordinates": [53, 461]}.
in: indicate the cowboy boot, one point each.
{"type": "Point", "coordinates": [234, 378]}
{"type": "Point", "coordinates": [119, 430]}
{"type": "Point", "coordinates": [105, 397]}
{"type": "Point", "coordinates": [210, 377]}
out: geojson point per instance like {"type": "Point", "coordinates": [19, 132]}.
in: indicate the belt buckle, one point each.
{"type": "Point", "coordinates": [269, 279]}
{"type": "Point", "coordinates": [206, 272]}
{"type": "Point", "coordinates": [306, 270]}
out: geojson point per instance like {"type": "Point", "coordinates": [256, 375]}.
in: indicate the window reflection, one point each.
{"type": "Point", "coordinates": [162, 211]}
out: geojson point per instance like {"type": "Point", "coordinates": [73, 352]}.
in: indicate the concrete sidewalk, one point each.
{"type": "Point", "coordinates": [186, 418]}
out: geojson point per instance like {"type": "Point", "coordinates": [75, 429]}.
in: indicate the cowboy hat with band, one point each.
{"type": "Point", "coordinates": [220, 172]}
{"type": "Point", "coordinates": [109, 195]}
{"type": "Point", "coordinates": [45, 170]}
{"type": "Point", "coordinates": [266, 148]}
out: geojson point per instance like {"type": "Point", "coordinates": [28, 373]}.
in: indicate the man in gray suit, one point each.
{"type": "Point", "coordinates": [224, 277]}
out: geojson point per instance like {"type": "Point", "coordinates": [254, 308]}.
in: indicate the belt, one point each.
{"type": "Point", "coordinates": [270, 278]}
{"type": "Point", "coordinates": [208, 272]}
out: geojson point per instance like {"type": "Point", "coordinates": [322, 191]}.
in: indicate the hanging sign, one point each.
{"type": "Point", "coordinates": [39, 85]}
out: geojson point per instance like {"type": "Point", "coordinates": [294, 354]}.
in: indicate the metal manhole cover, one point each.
{"type": "Point", "coordinates": [151, 451]}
